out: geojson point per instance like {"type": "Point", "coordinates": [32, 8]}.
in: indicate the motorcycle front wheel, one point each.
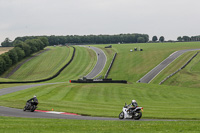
{"type": "Point", "coordinates": [24, 108]}
{"type": "Point", "coordinates": [137, 115]}
{"type": "Point", "coordinates": [121, 115]}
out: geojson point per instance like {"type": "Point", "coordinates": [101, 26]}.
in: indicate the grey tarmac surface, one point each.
{"type": "Point", "coordinates": [18, 88]}
{"type": "Point", "coordinates": [12, 112]}
{"type": "Point", "coordinates": [101, 62]}
{"type": "Point", "coordinates": [155, 71]}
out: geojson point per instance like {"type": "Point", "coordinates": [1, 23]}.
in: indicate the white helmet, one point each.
{"type": "Point", "coordinates": [34, 96]}
{"type": "Point", "coordinates": [133, 101]}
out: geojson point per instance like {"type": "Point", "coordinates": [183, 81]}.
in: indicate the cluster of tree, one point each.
{"type": "Point", "coordinates": [188, 39]}
{"type": "Point", "coordinates": [21, 50]}
{"type": "Point", "coordinates": [93, 39]}
{"type": "Point", "coordinates": [7, 43]}
{"type": "Point", "coordinates": [155, 39]}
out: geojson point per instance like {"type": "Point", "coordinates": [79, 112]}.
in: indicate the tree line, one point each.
{"type": "Point", "coordinates": [21, 50]}
{"type": "Point", "coordinates": [179, 39]}
{"type": "Point", "coordinates": [188, 39]}
{"type": "Point", "coordinates": [86, 39]}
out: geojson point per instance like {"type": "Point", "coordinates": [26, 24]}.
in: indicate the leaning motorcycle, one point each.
{"type": "Point", "coordinates": [30, 106]}
{"type": "Point", "coordinates": [131, 113]}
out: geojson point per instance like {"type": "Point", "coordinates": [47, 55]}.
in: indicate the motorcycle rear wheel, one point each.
{"type": "Point", "coordinates": [32, 108]}
{"type": "Point", "coordinates": [121, 115]}
{"type": "Point", "coordinates": [137, 115]}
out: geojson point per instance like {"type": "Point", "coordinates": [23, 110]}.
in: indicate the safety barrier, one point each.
{"type": "Point", "coordinates": [47, 79]}
{"type": "Point", "coordinates": [179, 69]}
{"type": "Point", "coordinates": [106, 75]}
{"type": "Point", "coordinates": [98, 81]}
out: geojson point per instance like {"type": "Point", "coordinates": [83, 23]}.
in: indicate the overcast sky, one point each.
{"type": "Point", "coordinates": [168, 18]}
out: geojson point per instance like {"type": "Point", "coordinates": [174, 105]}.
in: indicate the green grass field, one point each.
{"type": "Point", "coordinates": [180, 101]}
{"type": "Point", "coordinates": [28, 125]}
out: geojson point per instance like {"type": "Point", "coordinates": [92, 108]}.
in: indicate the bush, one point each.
{"type": "Point", "coordinates": [140, 40]}
{"type": "Point", "coordinates": [7, 60]}
{"type": "Point", "coordinates": [32, 45]}
{"type": "Point", "coordinates": [25, 47]}
{"type": "Point", "coordinates": [2, 65]}
{"type": "Point", "coordinates": [13, 56]}
{"type": "Point", "coordinates": [44, 40]}
{"type": "Point", "coordinates": [20, 53]}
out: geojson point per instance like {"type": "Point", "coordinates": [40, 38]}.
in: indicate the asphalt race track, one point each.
{"type": "Point", "coordinates": [18, 88]}
{"type": "Point", "coordinates": [101, 62]}
{"type": "Point", "coordinates": [12, 112]}
{"type": "Point", "coordinates": [155, 71]}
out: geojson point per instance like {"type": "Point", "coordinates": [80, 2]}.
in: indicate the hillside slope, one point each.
{"type": "Point", "coordinates": [132, 66]}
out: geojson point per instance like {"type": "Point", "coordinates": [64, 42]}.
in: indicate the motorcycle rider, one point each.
{"type": "Point", "coordinates": [133, 103]}
{"type": "Point", "coordinates": [130, 107]}
{"type": "Point", "coordinates": [33, 101]}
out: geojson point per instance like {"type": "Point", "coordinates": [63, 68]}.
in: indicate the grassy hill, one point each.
{"type": "Point", "coordinates": [132, 66]}
{"type": "Point", "coordinates": [189, 76]}
{"type": "Point", "coordinates": [45, 65]}
{"type": "Point", "coordinates": [83, 63]}
{"type": "Point", "coordinates": [48, 63]}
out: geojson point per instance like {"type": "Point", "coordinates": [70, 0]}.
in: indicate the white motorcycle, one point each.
{"type": "Point", "coordinates": [131, 113]}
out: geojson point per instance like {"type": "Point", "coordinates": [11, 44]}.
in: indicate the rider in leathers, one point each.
{"type": "Point", "coordinates": [33, 101]}
{"type": "Point", "coordinates": [130, 107]}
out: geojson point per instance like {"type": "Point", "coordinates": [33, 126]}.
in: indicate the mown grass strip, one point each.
{"type": "Point", "coordinates": [23, 125]}
{"type": "Point", "coordinates": [83, 63]}
{"type": "Point", "coordinates": [45, 65]}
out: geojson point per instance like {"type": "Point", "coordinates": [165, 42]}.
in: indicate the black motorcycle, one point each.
{"type": "Point", "coordinates": [30, 106]}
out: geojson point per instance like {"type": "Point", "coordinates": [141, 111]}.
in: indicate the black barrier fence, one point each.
{"type": "Point", "coordinates": [47, 79]}
{"type": "Point", "coordinates": [106, 75]}
{"type": "Point", "coordinates": [98, 81]}
{"type": "Point", "coordinates": [179, 69]}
